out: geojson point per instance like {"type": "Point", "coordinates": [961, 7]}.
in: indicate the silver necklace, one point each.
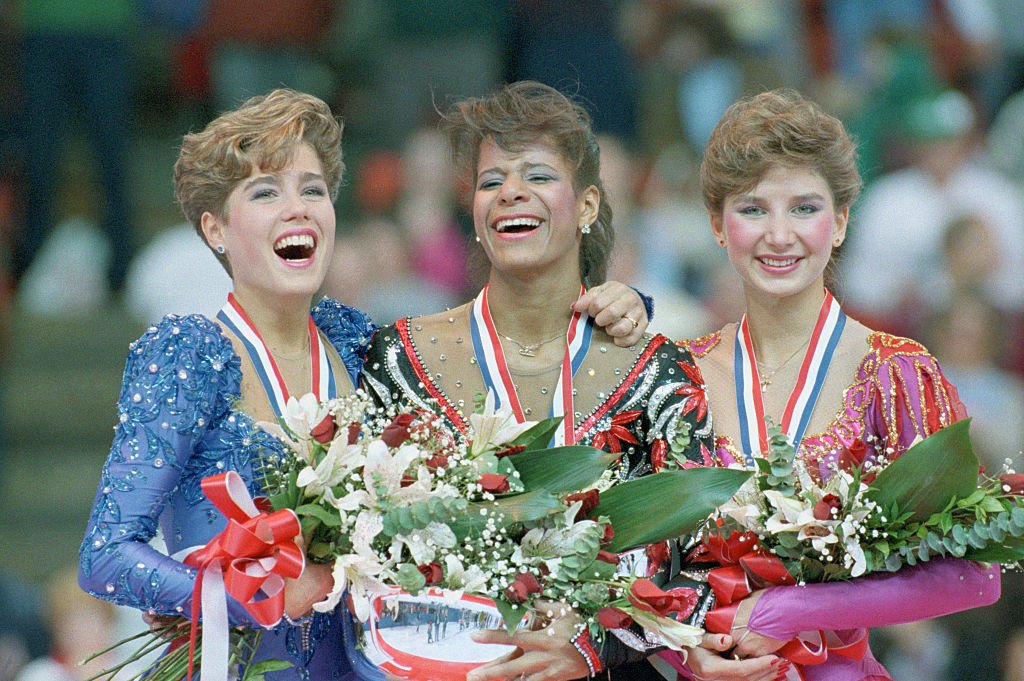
{"type": "Point", "coordinates": [530, 349]}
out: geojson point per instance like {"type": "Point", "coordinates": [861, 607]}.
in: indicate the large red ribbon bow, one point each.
{"type": "Point", "coordinates": [746, 567]}
{"type": "Point", "coordinates": [250, 560]}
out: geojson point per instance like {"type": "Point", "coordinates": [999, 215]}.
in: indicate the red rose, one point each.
{"type": "Point", "coordinates": [494, 483]}
{"type": "Point", "coordinates": [657, 555]}
{"type": "Point", "coordinates": [686, 601]}
{"type": "Point", "coordinates": [591, 498]}
{"type": "Point", "coordinates": [431, 572]}
{"type": "Point", "coordinates": [607, 535]}
{"type": "Point", "coordinates": [509, 451]}
{"type": "Point", "coordinates": [823, 509]}
{"type": "Point", "coordinates": [354, 429]}
{"type": "Point", "coordinates": [1015, 482]}
{"type": "Point", "coordinates": [524, 584]}
{"type": "Point", "coordinates": [644, 594]}
{"type": "Point", "coordinates": [437, 461]}
{"type": "Point", "coordinates": [397, 431]}
{"type": "Point", "coordinates": [613, 618]}
{"type": "Point", "coordinates": [853, 455]}
{"type": "Point", "coordinates": [608, 557]}
{"type": "Point", "coordinates": [324, 431]}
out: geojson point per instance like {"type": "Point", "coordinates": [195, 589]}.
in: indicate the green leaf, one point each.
{"type": "Point", "coordinates": [255, 672]}
{"type": "Point", "coordinates": [666, 505]}
{"type": "Point", "coordinates": [1010, 550]}
{"type": "Point", "coordinates": [410, 578]}
{"type": "Point", "coordinates": [561, 469]}
{"type": "Point", "coordinates": [539, 435]}
{"type": "Point", "coordinates": [511, 614]}
{"type": "Point", "coordinates": [519, 508]}
{"type": "Point", "coordinates": [930, 473]}
{"type": "Point", "coordinates": [325, 516]}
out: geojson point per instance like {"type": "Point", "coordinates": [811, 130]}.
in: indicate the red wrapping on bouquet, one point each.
{"type": "Point", "coordinates": [249, 559]}
{"type": "Point", "coordinates": [746, 567]}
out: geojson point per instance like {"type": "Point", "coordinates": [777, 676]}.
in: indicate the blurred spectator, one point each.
{"type": "Point", "coordinates": [1013, 656]}
{"type": "Point", "coordinates": [898, 68]}
{"type": "Point", "coordinates": [896, 236]}
{"type": "Point", "coordinates": [67, 274]}
{"type": "Point", "coordinates": [22, 629]}
{"type": "Point", "coordinates": [573, 45]}
{"type": "Point", "coordinates": [689, 70]}
{"type": "Point", "coordinates": [257, 45]}
{"type": "Point", "coordinates": [916, 650]}
{"type": "Point", "coordinates": [672, 228]}
{"type": "Point", "coordinates": [967, 337]}
{"type": "Point", "coordinates": [175, 273]}
{"type": "Point", "coordinates": [76, 66]}
{"type": "Point", "coordinates": [371, 270]}
{"type": "Point", "coordinates": [427, 213]}
{"type": "Point", "coordinates": [1005, 144]}
{"type": "Point", "coordinates": [430, 50]}
{"type": "Point", "coordinates": [79, 625]}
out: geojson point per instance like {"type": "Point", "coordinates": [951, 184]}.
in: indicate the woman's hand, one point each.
{"type": "Point", "coordinates": [160, 623]}
{"type": "Point", "coordinates": [749, 643]}
{"type": "Point", "coordinates": [312, 586]}
{"type": "Point", "coordinates": [617, 309]}
{"type": "Point", "coordinates": [708, 665]}
{"type": "Point", "coordinates": [545, 654]}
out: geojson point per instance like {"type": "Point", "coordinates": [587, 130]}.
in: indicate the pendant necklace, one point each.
{"type": "Point", "coordinates": [766, 378]}
{"type": "Point", "coordinates": [530, 350]}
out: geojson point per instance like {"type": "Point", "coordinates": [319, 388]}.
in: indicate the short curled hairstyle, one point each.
{"type": "Point", "coordinates": [261, 134]}
{"type": "Point", "coordinates": [777, 128]}
{"type": "Point", "coordinates": [524, 113]}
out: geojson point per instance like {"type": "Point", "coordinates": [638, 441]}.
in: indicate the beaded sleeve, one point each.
{"type": "Point", "coordinates": [181, 376]}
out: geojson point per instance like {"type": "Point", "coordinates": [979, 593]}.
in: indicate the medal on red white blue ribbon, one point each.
{"type": "Point", "coordinates": [827, 330]}
{"type": "Point", "coordinates": [321, 373]}
{"type": "Point", "coordinates": [490, 358]}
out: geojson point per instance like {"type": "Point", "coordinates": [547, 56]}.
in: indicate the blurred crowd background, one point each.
{"type": "Point", "coordinates": [95, 96]}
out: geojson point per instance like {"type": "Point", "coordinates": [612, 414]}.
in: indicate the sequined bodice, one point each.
{"type": "Point", "coordinates": [178, 423]}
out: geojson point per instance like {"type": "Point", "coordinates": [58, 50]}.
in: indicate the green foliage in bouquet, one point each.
{"type": "Point", "coordinates": [930, 502]}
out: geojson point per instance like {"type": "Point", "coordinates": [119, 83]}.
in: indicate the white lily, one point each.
{"type": "Point", "coordinates": [495, 428]}
{"type": "Point", "coordinates": [676, 635]}
{"type": "Point", "coordinates": [304, 414]}
{"type": "Point", "coordinates": [360, 575]}
{"type": "Point", "coordinates": [384, 470]}
{"type": "Point", "coordinates": [303, 449]}
{"type": "Point", "coordinates": [462, 579]}
{"type": "Point", "coordinates": [332, 470]}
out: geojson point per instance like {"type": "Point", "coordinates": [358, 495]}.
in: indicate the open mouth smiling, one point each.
{"type": "Point", "coordinates": [516, 225]}
{"type": "Point", "coordinates": [295, 247]}
{"type": "Point", "coordinates": [778, 262]}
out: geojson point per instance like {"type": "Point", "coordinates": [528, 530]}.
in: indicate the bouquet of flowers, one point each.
{"type": "Point", "coordinates": [399, 504]}
{"type": "Point", "coordinates": [785, 526]}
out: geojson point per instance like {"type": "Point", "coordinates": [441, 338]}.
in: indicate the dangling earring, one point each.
{"type": "Point", "coordinates": [220, 248]}
{"type": "Point", "coordinates": [585, 229]}
{"type": "Point", "coordinates": [477, 238]}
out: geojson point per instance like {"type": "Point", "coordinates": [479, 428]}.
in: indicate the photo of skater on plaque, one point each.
{"type": "Point", "coordinates": [412, 632]}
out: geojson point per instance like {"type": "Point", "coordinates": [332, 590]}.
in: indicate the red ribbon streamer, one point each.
{"type": "Point", "coordinates": [256, 552]}
{"type": "Point", "coordinates": [746, 568]}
